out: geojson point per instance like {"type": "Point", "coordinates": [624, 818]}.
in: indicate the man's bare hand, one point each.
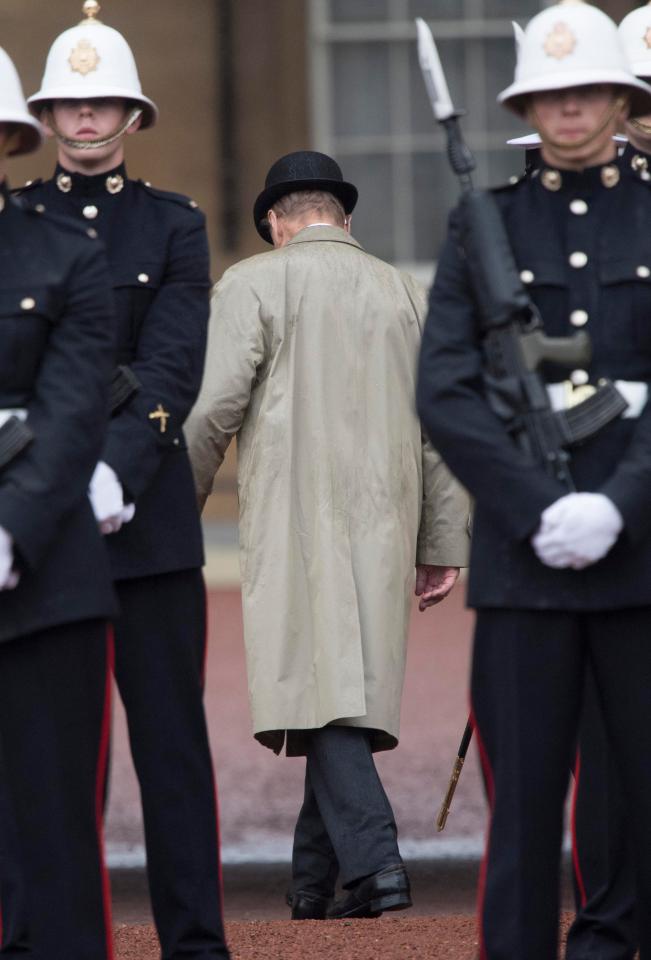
{"type": "Point", "coordinates": [433, 583]}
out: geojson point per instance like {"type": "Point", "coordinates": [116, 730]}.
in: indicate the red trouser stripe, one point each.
{"type": "Point", "coordinates": [214, 780]}
{"type": "Point", "coordinates": [578, 875]}
{"type": "Point", "coordinates": [102, 760]}
{"type": "Point", "coordinates": [490, 788]}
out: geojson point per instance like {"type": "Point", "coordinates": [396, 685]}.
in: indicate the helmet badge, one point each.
{"type": "Point", "coordinates": [84, 58]}
{"type": "Point", "coordinates": [647, 38]}
{"type": "Point", "coordinates": [560, 42]}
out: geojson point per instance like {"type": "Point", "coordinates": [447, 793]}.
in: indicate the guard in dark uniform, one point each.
{"type": "Point", "coordinates": [560, 580]}
{"type": "Point", "coordinates": [56, 594]}
{"type": "Point", "coordinates": [143, 490]}
{"type": "Point", "coordinates": [602, 855]}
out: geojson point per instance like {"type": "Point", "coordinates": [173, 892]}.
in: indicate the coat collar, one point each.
{"type": "Point", "coordinates": [324, 232]}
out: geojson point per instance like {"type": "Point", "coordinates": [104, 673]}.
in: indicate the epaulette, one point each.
{"type": "Point", "coordinates": [26, 187]}
{"type": "Point", "coordinates": [512, 182]}
{"type": "Point", "coordinates": [178, 198]}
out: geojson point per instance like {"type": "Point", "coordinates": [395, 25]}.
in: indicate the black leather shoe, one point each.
{"type": "Point", "coordinates": [386, 890]}
{"type": "Point", "coordinates": [307, 906]}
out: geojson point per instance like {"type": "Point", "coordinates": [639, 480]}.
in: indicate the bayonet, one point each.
{"type": "Point", "coordinates": [461, 159]}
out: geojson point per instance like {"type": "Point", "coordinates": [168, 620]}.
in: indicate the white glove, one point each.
{"type": "Point", "coordinates": [107, 499]}
{"type": "Point", "coordinates": [8, 576]}
{"type": "Point", "coordinates": [577, 530]}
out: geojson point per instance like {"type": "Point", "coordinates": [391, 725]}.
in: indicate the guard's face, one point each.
{"type": "Point", "coordinates": [570, 116]}
{"type": "Point", "coordinates": [89, 120]}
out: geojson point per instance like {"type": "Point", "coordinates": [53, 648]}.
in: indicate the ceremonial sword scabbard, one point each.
{"type": "Point", "coordinates": [447, 801]}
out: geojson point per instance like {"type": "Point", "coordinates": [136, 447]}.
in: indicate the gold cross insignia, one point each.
{"type": "Point", "coordinates": [160, 414]}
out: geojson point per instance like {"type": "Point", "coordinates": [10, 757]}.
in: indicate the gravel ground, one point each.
{"type": "Point", "coordinates": [391, 938]}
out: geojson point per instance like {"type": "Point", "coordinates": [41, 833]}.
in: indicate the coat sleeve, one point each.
{"type": "Point", "coordinates": [444, 532]}
{"type": "Point", "coordinates": [68, 412]}
{"type": "Point", "coordinates": [169, 360]}
{"type": "Point", "coordinates": [236, 351]}
{"type": "Point", "coordinates": [454, 411]}
{"type": "Point", "coordinates": [629, 485]}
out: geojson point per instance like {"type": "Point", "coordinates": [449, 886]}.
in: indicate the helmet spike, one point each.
{"type": "Point", "coordinates": [91, 9]}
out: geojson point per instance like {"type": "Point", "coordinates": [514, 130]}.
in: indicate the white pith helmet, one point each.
{"type": "Point", "coordinates": [13, 108]}
{"type": "Point", "coordinates": [635, 35]}
{"type": "Point", "coordinates": [92, 60]}
{"type": "Point", "coordinates": [572, 44]}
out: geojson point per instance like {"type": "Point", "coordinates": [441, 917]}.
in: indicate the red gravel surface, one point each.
{"type": "Point", "coordinates": [389, 938]}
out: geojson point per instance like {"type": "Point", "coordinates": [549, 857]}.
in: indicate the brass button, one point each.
{"type": "Point", "coordinates": [579, 207]}
{"type": "Point", "coordinates": [551, 180]}
{"type": "Point", "coordinates": [643, 272]}
{"type": "Point", "coordinates": [27, 303]}
{"type": "Point", "coordinates": [579, 377]}
{"type": "Point", "coordinates": [610, 176]}
{"type": "Point", "coordinates": [639, 163]}
{"type": "Point", "coordinates": [514, 179]}
{"type": "Point", "coordinates": [578, 259]}
{"type": "Point", "coordinates": [40, 208]}
{"type": "Point", "coordinates": [92, 233]}
{"type": "Point", "coordinates": [193, 204]}
{"type": "Point", "coordinates": [64, 182]}
{"type": "Point", "coordinates": [579, 318]}
{"type": "Point", "coordinates": [114, 183]}
{"type": "Point", "coordinates": [143, 277]}
{"type": "Point", "coordinates": [147, 183]}
{"type": "Point", "coordinates": [527, 276]}
{"type": "Point", "coordinates": [90, 212]}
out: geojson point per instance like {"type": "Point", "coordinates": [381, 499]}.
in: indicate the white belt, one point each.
{"type": "Point", "coordinates": [635, 392]}
{"type": "Point", "coordinates": [5, 415]}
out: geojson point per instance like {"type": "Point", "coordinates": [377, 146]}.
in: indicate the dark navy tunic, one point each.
{"type": "Point", "coordinates": [159, 265]}
{"type": "Point", "coordinates": [56, 354]}
{"type": "Point", "coordinates": [612, 285]}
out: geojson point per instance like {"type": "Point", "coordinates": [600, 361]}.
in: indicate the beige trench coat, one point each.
{"type": "Point", "coordinates": [311, 361]}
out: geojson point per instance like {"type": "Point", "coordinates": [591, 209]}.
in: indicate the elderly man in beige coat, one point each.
{"type": "Point", "coordinates": [312, 361]}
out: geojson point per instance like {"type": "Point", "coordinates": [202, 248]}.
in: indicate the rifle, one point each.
{"type": "Point", "coordinates": [514, 342]}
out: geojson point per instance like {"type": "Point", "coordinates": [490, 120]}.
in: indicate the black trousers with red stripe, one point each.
{"type": "Point", "coordinates": [527, 688]}
{"type": "Point", "coordinates": [160, 641]}
{"type": "Point", "coordinates": [54, 722]}
{"type": "Point", "coordinates": [602, 853]}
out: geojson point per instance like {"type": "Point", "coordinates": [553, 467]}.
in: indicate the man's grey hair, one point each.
{"type": "Point", "coordinates": [297, 204]}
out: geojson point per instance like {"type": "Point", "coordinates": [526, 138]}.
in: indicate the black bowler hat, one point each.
{"type": "Point", "coordinates": [303, 170]}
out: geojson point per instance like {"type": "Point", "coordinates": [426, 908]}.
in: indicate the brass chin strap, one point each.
{"type": "Point", "coordinates": [93, 144]}
{"type": "Point", "coordinates": [643, 128]}
{"type": "Point", "coordinates": [610, 112]}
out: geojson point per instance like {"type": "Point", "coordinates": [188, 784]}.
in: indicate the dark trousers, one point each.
{"type": "Point", "coordinates": [54, 726]}
{"type": "Point", "coordinates": [346, 826]}
{"type": "Point", "coordinates": [604, 876]}
{"type": "Point", "coordinates": [160, 641]}
{"type": "Point", "coordinates": [527, 687]}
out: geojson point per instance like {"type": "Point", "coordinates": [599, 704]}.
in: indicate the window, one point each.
{"type": "Point", "coordinates": [370, 109]}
